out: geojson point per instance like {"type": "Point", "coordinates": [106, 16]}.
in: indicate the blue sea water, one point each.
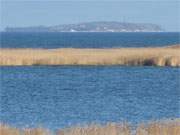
{"type": "Point", "coordinates": [87, 40]}
{"type": "Point", "coordinates": [61, 96]}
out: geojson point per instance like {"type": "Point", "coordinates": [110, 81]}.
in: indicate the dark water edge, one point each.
{"type": "Point", "coordinates": [62, 96]}
{"type": "Point", "coordinates": [88, 39]}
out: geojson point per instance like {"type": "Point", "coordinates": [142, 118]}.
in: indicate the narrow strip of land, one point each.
{"type": "Point", "coordinates": [164, 127]}
{"type": "Point", "coordinates": [158, 56]}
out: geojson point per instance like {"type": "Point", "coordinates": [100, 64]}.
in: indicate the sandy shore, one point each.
{"type": "Point", "coordinates": [159, 56]}
{"type": "Point", "coordinates": [164, 127]}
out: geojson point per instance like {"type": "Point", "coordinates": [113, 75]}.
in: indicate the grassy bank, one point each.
{"type": "Point", "coordinates": [162, 56]}
{"type": "Point", "coordinates": [168, 127]}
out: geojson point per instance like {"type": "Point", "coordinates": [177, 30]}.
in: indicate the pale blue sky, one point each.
{"type": "Point", "coordinates": [16, 13]}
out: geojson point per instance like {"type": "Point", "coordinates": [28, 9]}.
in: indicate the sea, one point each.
{"type": "Point", "coordinates": [62, 96]}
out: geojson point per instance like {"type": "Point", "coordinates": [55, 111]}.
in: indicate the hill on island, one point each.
{"type": "Point", "coordinates": [91, 27]}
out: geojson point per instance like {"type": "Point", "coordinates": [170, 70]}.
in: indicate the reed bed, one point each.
{"type": "Point", "coordinates": [159, 56]}
{"type": "Point", "coordinates": [7, 130]}
{"type": "Point", "coordinates": [109, 129]}
{"type": "Point", "coordinates": [159, 128]}
{"type": "Point", "coordinates": [168, 127]}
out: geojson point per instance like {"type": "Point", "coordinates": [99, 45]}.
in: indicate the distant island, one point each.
{"type": "Point", "coordinates": [91, 27]}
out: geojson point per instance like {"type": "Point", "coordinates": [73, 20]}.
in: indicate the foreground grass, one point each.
{"type": "Point", "coordinates": [169, 127]}
{"type": "Point", "coordinates": [162, 56]}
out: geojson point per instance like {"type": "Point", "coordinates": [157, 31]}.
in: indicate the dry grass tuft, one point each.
{"type": "Point", "coordinates": [162, 56]}
{"type": "Point", "coordinates": [6, 130]}
{"type": "Point", "coordinates": [109, 129]}
{"type": "Point", "coordinates": [159, 128]}
{"type": "Point", "coordinates": [36, 131]}
{"type": "Point", "coordinates": [168, 127]}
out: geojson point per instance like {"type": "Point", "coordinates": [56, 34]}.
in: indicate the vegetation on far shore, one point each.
{"type": "Point", "coordinates": [165, 127]}
{"type": "Point", "coordinates": [157, 56]}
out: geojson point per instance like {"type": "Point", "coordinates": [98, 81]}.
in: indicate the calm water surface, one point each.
{"type": "Point", "coordinates": [88, 40]}
{"type": "Point", "coordinates": [61, 96]}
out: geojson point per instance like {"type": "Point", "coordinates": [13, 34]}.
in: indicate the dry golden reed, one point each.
{"type": "Point", "coordinates": [168, 127]}
{"type": "Point", "coordinates": [109, 129]}
{"type": "Point", "coordinates": [159, 128]}
{"type": "Point", "coordinates": [6, 130]}
{"type": "Point", "coordinates": [158, 56]}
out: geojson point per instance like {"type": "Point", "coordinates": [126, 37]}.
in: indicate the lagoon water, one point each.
{"type": "Point", "coordinates": [61, 96]}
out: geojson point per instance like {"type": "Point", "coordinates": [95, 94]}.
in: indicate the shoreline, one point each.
{"type": "Point", "coordinates": [157, 56]}
{"type": "Point", "coordinates": [160, 127]}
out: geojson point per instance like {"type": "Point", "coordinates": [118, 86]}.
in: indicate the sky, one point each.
{"type": "Point", "coordinates": [21, 13]}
